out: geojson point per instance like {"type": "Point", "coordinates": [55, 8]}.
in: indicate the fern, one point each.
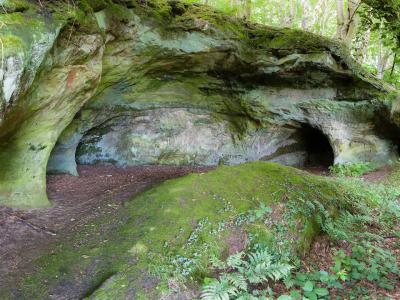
{"type": "Point", "coordinates": [279, 271]}
{"type": "Point", "coordinates": [235, 261]}
{"type": "Point", "coordinates": [218, 290]}
{"type": "Point", "coordinates": [259, 267]}
{"type": "Point", "coordinates": [217, 263]}
{"type": "Point", "coordinates": [237, 280]}
{"type": "Point", "coordinates": [259, 257]}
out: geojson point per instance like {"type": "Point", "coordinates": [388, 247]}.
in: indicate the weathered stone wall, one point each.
{"type": "Point", "coordinates": [170, 83]}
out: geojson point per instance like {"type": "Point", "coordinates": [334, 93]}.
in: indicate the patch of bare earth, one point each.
{"type": "Point", "coordinates": [321, 171]}
{"type": "Point", "coordinates": [98, 191]}
{"type": "Point", "coordinates": [374, 176]}
{"type": "Point", "coordinates": [378, 175]}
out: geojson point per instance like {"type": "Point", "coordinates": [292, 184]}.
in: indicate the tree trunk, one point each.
{"type": "Point", "coordinates": [306, 15]}
{"type": "Point", "coordinates": [362, 46]}
{"type": "Point", "coordinates": [383, 58]}
{"type": "Point", "coordinates": [351, 21]}
{"type": "Point", "coordinates": [339, 18]}
{"type": "Point", "coordinates": [382, 63]}
{"type": "Point", "coordinates": [291, 15]}
{"type": "Point", "coordinates": [247, 9]}
{"type": "Point", "coordinates": [318, 14]}
{"type": "Point", "coordinates": [347, 20]}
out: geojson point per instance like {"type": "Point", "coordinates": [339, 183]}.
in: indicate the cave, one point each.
{"type": "Point", "coordinates": [317, 147]}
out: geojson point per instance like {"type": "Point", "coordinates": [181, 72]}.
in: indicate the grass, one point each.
{"type": "Point", "coordinates": [167, 235]}
{"type": "Point", "coordinates": [353, 169]}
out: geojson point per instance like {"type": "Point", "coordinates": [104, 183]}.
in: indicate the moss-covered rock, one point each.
{"type": "Point", "coordinates": [159, 246]}
{"type": "Point", "coordinates": [119, 60]}
{"type": "Point", "coordinates": [171, 231]}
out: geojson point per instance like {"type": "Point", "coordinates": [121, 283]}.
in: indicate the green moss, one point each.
{"type": "Point", "coordinates": [287, 39]}
{"type": "Point", "coordinates": [12, 44]}
{"type": "Point", "coordinates": [180, 218]}
{"type": "Point", "coordinates": [17, 19]}
{"type": "Point", "coordinates": [15, 5]}
{"type": "Point", "coordinates": [94, 5]}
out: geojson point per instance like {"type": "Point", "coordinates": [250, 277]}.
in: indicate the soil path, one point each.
{"type": "Point", "coordinates": [373, 176]}
{"type": "Point", "coordinates": [99, 190]}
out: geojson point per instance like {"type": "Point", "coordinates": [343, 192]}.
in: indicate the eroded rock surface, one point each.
{"type": "Point", "coordinates": [168, 83]}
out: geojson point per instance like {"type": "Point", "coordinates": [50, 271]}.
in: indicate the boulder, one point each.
{"type": "Point", "coordinates": [171, 83]}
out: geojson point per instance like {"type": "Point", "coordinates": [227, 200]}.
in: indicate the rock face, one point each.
{"type": "Point", "coordinates": [167, 83]}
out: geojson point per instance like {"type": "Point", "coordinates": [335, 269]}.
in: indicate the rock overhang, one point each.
{"type": "Point", "coordinates": [254, 85]}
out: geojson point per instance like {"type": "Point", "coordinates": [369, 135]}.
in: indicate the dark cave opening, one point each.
{"type": "Point", "coordinates": [388, 130]}
{"type": "Point", "coordinates": [316, 144]}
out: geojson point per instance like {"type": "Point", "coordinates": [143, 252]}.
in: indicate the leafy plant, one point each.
{"type": "Point", "coordinates": [367, 262]}
{"type": "Point", "coordinates": [240, 271]}
{"type": "Point", "coordinates": [352, 169]}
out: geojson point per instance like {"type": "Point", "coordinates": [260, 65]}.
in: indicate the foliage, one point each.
{"type": "Point", "coordinates": [352, 169]}
{"type": "Point", "coordinates": [176, 230]}
{"type": "Point", "coordinates": [384, 15]}
{"type": "Point", "coordinates": [238, 274]}
{"type": "Point", "coordinates": [351, 272]}
{"type": "Point", "coordinates": [365, 263]}
{"type": "Point", "coordinates": [377, 25]}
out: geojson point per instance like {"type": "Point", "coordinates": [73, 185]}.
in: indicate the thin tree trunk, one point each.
{"type": "Point", "coordinates": [347, 20]}
{"type": "Point", "coordinates": [306, 15]}
{"type": "Point", "coordinates": [393, 65]}
{"type": "Point", "coordinates": [317, 13]}
{"type": "Point", "coordinates": [351, 21]}
{"type": "Point", "coordinates": [291, 15]}
{"type": "Point", "coordinates": [247, 9]}
{"type": "Point", "coordinates": [383, 58]}
{"type": "Point", "coordinates": [339, 18]}
{"type": "Point", "coordinates": [362, 46]}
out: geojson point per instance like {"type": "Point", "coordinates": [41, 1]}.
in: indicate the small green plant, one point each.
{"type": "Point", "coordinates": [364, 263]}
{"type": "Point", "coordinates": [240, 271]}
{"type": "Point", "coordinates": [352, 169]}
{"type": "Point", "coordinates": [367, 262]}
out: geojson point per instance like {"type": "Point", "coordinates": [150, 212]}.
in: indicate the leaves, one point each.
{"type": "Point", "coordinates": [321, 292]}
{"type": "Point", "coordinates": [235, 261]}
{"type": "Point", "coordinates": [258, 267]}
{"type": "Point", "coordinates": [237, 280]}
{"type": "Point", "coordinates": [308, 286]}
{"type": "Point", "coordinates": [217, 263]}
{"type": "Point", "coordinates": [285, 297]}
{"type": "Point", "coordinates": [218, 290]}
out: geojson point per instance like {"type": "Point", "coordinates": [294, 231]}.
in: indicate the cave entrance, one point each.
{"type": "Point", "coordinates": [316, 145]}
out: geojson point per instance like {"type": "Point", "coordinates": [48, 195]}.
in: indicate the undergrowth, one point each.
{"type": "Point", "coordinates": [362, 224]}
{"type": "Point", "coordinates": [240, 231]}
{"type": "Point", "coordinates": [352, 169]}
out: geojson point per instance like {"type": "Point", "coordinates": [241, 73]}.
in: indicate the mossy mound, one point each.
{"type": "Point", "coordinates": [171, 231]}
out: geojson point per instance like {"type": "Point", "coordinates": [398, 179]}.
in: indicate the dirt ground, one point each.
{"type": "Point", "coordinates": [99, 190]}
{"type": "Point", "coordinates": [374, 176]}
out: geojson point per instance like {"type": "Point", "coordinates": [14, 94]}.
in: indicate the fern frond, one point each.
{"type": "Point", "coordinates": [218, 290]}
{"type": "Point", "coordinates": [237, 280]}
{"type": "Point", "coordinates": [260, 257]}
{"type": "Point", "coordinates": [217, 263]}
{"type": "Point", "coordinates": [279, 271]}
{"type": "Point", "coordinates": [235, 261]}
